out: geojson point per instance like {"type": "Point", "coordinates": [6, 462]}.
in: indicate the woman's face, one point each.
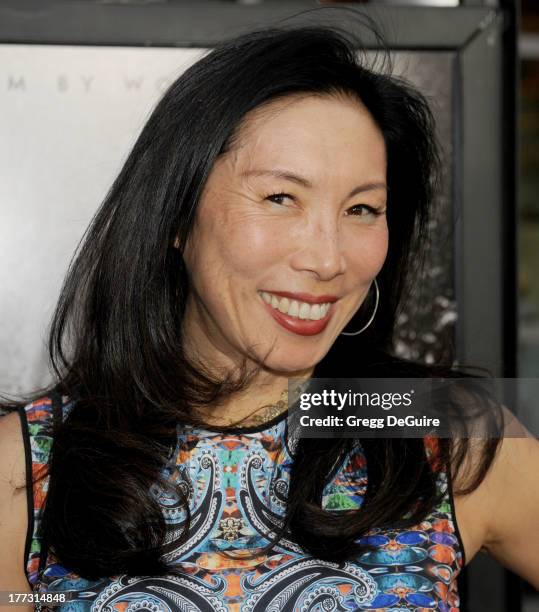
{"type": "Point", "coordinates": [289, 235]}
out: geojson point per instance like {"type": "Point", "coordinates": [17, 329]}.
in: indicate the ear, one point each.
{"type": "Point", "coordinates": [176, 243]}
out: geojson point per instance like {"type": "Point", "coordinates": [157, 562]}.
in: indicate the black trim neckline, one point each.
{"type": "Point", "coordinates": [250, 429]}
{"type": "Point", "coordinates": [454, 514]}
{"type": "Point", "coordinates": [21, 411]}
{"type": "Point", "coordinates": [247, 429]}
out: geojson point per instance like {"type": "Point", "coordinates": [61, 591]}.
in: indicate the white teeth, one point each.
{"type": "Point", "coordinates": [293, 308]}
{"type": "Point", "coordinates": [283, 306]}
{"type": "Point", "coordinates": [304, 311]}
{"type": "Point", "coordinates": [315, 312]}
{"type": "Point", "coordinates": [293, 311]}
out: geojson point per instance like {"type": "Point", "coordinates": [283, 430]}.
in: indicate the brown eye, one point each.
{"type": "Point", "coordinates": [277, 198]}
{"type": "Point", "coordinates": [357, 210]}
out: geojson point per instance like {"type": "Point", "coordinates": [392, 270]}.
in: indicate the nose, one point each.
{"type": "Point", "coordinates": [319, 248]}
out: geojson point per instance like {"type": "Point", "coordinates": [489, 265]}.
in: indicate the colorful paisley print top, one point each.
{"type": "Point", "coordinates": [237, 486]}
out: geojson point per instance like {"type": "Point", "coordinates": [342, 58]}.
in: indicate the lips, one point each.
{"type": "Point", "coordinates": [306, 297]}
{"type": "Point", "coordinates": [306, 318]}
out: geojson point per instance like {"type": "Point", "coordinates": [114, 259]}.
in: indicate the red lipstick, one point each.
{"type": "Point", "coordinates": [302, 327]}
{"type": "Point", "coordinates": [305, 297]}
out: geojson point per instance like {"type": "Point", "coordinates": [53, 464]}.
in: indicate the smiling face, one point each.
{"type": "Point", "coordinates": [290, 233]}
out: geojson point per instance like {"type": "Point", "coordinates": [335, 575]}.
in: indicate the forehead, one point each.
{"type": "Point", "coordinates": [310, 133]}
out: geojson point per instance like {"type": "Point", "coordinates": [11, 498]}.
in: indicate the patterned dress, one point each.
{"type": "Point", "coordinates": [237, 486]}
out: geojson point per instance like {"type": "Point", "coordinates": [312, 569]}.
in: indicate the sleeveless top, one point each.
{"type": "Point", "coordinates": [237, 484]}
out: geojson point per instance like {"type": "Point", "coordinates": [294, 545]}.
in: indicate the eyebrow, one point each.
{"type": "Point", "coordinates": [300, 180]}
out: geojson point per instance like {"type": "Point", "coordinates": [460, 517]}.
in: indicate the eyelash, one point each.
{"type": "Point", "coordinates": [373, 211]}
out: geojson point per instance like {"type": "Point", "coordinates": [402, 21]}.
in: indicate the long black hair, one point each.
{"type": "Point", "coordinates": [116, 342]}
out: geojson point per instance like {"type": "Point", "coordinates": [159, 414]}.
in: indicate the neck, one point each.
{"type": "Point", "coordinates": [262, 401]}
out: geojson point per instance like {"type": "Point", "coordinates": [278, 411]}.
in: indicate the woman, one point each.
{"type": "Point", "coordinates": [278, 188]}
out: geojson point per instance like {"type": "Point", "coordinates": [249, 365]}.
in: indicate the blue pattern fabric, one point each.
{"type": "Point", "coordinates": [237, 487]}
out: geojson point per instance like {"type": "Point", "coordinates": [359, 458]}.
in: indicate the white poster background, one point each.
{"type": "Point", "coordinates": [69, 116]}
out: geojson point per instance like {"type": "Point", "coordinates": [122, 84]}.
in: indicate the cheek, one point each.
{"type": "Point", "coordinates": [368, 253]}
{"type": "Point", "coordinates": [231, 247]}
{"type": "Point", "coordinates": [381, 246]}
{"type": "Point", "coordinates": [247, 244]}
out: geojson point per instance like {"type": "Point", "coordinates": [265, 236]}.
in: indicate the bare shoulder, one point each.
{"type": "Point", "coordinates": [499, 517]}
{"type": "Point", "coordinates": [12, 466]}
{"type": "Point", "coordinates": [13, 504]}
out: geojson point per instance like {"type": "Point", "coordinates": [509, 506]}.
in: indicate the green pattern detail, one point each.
{"type": "Point", "coordinates": [445, 507]}
{"type": "Point", "coordinates": [43, 444]}
{"type": "Point", "coordinates": [339, 501]}
{"type": "Point", "coordinates": [34, 429]}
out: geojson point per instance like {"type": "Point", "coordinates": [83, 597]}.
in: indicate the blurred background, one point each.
{"type": "Point", "coordinates": [528, 203]}
{"type": "Point", "coordinates": [78, 80]}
